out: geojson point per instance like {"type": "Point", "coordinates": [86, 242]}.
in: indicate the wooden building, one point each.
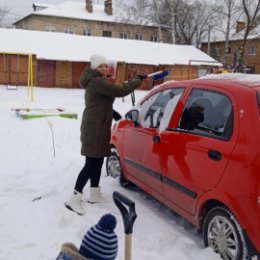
{"type": "Point", "coordinates": [59, 61]}
{"type": "Point", "coordinates": [15, 68]}
{"type": "Point", "coordinates": [66, 74]}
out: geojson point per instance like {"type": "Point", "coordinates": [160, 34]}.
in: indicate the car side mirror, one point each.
{"type": "Point", "coordinates": [133, 115]}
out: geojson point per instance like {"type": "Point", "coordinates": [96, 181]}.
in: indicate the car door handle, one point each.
{"type": "Point", "coordinates": [156, 139]}
{"type": "Point", "coordinates": [214, 155]}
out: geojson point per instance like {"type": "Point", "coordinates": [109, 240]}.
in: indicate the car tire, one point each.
{"type": "Point", "coordinates": [222, 232]}
{"type": "Point", "coordinates": [113, 167]}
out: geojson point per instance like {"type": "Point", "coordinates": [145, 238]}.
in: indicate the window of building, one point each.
{"type": "Point", "coordinates": [123, 35]}
{"type": "Point", "coordinates": [86, 32]}
{"type": "Point", "coordinates": [229, 50]}
{"type": "Point", "coordinates": [251, 50]}
{"type": "Point", "coordinates": [138, 36]}
{"type": "Point", "coordinates": [69, 30]}
{"type": "Point", "coordinates": [107, 34]}
{"type": "Point", "coordinates": [250, 70]}
{"type": "Point", "coordinates": [154, 38]}
{"type": "Point", "coordinates": [215, 53]}
{"type": "Point", "coordinates": [50, 28]}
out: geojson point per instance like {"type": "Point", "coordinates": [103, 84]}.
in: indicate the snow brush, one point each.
{"type": "Point", "coordinates": [154, 76]}
{"type": "Point", "coordinates": [158, 74]}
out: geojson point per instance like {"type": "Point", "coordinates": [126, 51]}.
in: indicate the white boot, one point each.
{"type": "Point", "coordinates": [75, 203]}
{"type": "Point", "coordinates": [95, 195]}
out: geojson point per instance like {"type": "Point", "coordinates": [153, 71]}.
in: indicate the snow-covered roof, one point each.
{"type": "Point", "coordinates": [61, 46]}
{"type": "Point", "coordinates": [76, 10]}
{"type": "Point", "coordinates": [41, 5]}
{"type": "Point", "coordinates": [45, 5]}
{"type": "Point", "coordinates": [255, 34]}
{"type": "Point", "coordinates": [219, 36]}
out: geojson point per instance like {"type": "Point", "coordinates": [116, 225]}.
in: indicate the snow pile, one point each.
{"type": "Point", "coordinates": [34, 185]}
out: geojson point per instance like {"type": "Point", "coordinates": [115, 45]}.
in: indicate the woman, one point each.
{"type": "Point", "coordinates": [96, 127]}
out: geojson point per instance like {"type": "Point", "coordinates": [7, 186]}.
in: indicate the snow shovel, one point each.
{"type": "Point", "coordinates": [129, 217]}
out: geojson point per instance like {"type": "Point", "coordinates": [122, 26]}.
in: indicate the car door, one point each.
{"type": "Point", "coordinates": [140, 148]}
{"type": "Point", "coordinates": [196, 151]}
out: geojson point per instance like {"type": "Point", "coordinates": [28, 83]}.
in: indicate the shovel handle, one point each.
{"type": "Point", "coordinates": [133, 98]}
{"type": "Point", "coordinates": [129, 216]}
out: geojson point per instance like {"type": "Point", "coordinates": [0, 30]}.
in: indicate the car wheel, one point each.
{"type": "Point", "coordinates": [113, 167]}
{"type": "Point", "coordinates": [222, 232]}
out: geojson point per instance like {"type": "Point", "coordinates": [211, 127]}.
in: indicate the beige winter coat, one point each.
{"type": "Point", "coordinates": [97, 116]}
{"type": "Point", "coordinates": [70, 251]}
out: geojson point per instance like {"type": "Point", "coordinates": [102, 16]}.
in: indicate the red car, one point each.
{"type": "Point", "coordinates": [195, 146]}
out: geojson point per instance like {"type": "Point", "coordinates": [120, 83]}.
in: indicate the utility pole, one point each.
{"type": "Point", "coordinates": [209, 40]}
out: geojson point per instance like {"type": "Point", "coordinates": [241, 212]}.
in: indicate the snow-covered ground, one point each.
{"type": "Point", "coordinates": [34, 185]}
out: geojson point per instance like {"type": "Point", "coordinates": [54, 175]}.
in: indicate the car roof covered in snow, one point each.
{"type": "Point", "coordinates": [232, 80]}
{"type": "Point", "coordinates": [249, 80]}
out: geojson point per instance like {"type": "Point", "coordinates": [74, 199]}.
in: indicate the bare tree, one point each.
{"type": "Point", "coordinates": [144, 12]}
{"type": "Point", "coordinates": [134, 14]}
{"type": "Point", "coordinates": [187, 22]}
{"type": "Point", "coordinates": [170, 8]}
{"type": "Point", "coordinates": [3, 13]}
{"type": "Point", "coordinates": [229, 12]}
{"type": "Point", "coordinates": [192, 21]}
{"type": "Point", "coordinates": [7, 18]}
{"type": "Point", "coordinates": [130, 14]}
{"type": "Point", "coordinates": [151, 13]}
{"type": "Point", "coordinates": [231, 9]}
{"type": "Point", "coordinates": [251, 10]}
{"type": "Point", "coordinates": [162, 14]}
{"type": "Point", "coordinates": [156, 17]}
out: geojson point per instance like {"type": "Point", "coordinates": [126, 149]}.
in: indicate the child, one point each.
{"type": "Point", "coordinates": [99, 243]}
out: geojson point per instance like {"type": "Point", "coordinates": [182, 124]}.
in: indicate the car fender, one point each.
{"type": "Point", "coordinates": [218, 196]}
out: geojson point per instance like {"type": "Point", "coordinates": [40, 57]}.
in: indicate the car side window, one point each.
{"type": "Point", "coordinates": [258, 100]}
{"type": "Point", "coordinates": [207, 113]}
{"type": "Point", "coordinates": [156, 111]}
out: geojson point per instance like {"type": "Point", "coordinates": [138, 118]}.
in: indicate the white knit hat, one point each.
{"type": "Point", "coordinates": [96, 60]}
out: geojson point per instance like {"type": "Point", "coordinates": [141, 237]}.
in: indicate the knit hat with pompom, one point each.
{"type": "Point", "coordinates": [100, 241]}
